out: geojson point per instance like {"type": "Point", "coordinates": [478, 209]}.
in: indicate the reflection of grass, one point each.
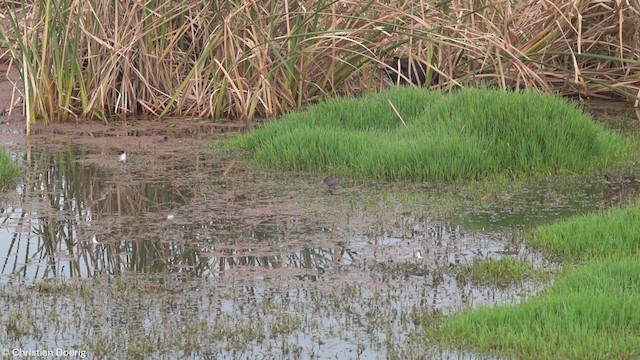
{"type": "Point", "coordinates": [470, 134]}
{"type": "Point", "coordinates": [501, 272]}
{"type": "Point", "coordinates": [592, 311]}
{"type": "Point", "coordinates": [8, 171]}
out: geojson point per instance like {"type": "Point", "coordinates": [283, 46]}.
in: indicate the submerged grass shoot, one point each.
{"type": "Point", "coordinates": [466, 135]}
{"type": "Point", "coordinates": [503, 272]}
{"type": "Point", "coordinates": [8, 170]}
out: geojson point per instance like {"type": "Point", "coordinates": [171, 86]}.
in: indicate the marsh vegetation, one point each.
{"type": "Point", "coordinates": [187, 249]}
{"type": "Point", "coordinates": [111, 254]}
{"type": "Point", "coordinates": [472, 134]}
{"type": "Point", "coordinates": [259, 59]}
{"type": "Point", "coordinates": [591, 311]}
{"type": "Point", "coordinates": [415, 135]}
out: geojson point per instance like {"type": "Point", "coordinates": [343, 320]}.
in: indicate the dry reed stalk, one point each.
{"type": "Point", "coordinates": [247, 59]}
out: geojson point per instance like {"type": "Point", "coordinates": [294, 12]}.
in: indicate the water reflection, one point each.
{"type": "Point", "coordinates": [351, 284]}
{"type": "Point", "coordinates": [537, 205]}
{"type": "Point", "coordinates": [316, 259]}
{"type": "Point", "coordinates": [79, 220]}
{"type": "Point", "coordinates": [51, 233]}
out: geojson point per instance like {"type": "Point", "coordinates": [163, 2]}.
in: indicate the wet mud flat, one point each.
{"type": "Point", "coordinates": [100, 254]}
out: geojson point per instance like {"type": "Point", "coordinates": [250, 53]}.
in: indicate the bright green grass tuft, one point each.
{"type": "Point", "coordinates": [8, 171]}
{"type": "Point", "coordinates": [503, 272]}
{"type": "Point", "coordinates": [614, 233]}
{"type": "Point", "coordinates": [466, 135]}
{"type": "Point", "coordinates": [593, 312]}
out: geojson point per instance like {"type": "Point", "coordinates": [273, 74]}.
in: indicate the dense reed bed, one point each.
{"type": "Point", "coordinates": [238, 59]}
{"type": "Point", "coordinates": [410, 134]}
{"type": "Point", "coordinates": [591, 312]}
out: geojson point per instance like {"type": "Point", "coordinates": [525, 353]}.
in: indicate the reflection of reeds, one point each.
{"type": "Point", "coordinates": [307, 258]}
{"type": "Point", "coordinates": [82, 221]}
{"type": "Point", "coordinates": [73, 203]}
{"type": "Point", "coordinates": [245, 59]}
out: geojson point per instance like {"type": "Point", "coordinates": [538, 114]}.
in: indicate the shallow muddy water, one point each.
{"type": "Point", "coordinates": [183, 251]}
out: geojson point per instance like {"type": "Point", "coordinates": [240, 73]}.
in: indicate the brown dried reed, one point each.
{"type": "Point", "coordinates": [248, 59]}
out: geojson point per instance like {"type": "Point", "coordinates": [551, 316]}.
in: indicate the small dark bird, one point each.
{"type": "Point", "coordinates": [332, 182]}
{"type": "Point", "coordinates": [401, 69]}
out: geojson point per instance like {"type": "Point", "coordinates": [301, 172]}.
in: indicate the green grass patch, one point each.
{"type": "Point", "coordinates": [592, 312]}
{"type": "Point", "coordinates": [614, 233]}
{"type": "Point", "coordinates": [8, 171]}
{"type": "Point", "coordinates": [503, 272]}
{"type": "Point", "coordinates": [468, 135]}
